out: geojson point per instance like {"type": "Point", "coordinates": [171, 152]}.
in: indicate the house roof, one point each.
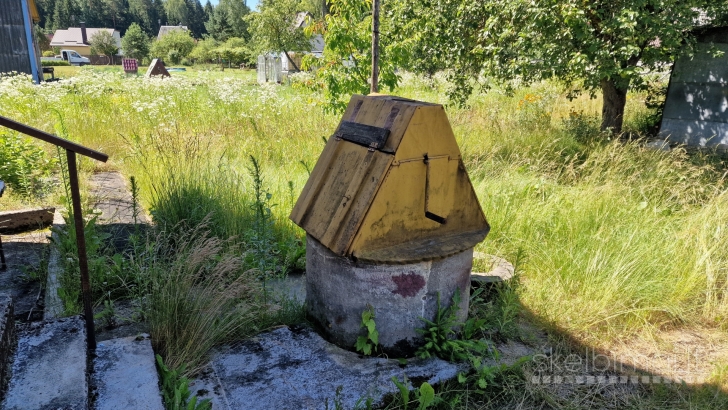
{"type": "Point", "coordinates": [301, 20]}
{"type": "Point", "coordinates": [73, 37]}
{"type": "Point", "coordinates": [168, 29]}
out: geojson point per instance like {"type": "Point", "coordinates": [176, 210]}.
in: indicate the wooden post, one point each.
{"type": "Point", "coordinates": [375, 47]}
{"type": "Point", "coordinates": [81, 244]}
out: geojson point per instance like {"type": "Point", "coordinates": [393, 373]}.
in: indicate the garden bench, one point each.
{"type": "Point", "coordinates": [3, 266]}
{"type": "Point", "coordinates": [51, 71]}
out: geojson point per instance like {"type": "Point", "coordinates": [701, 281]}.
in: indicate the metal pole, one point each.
{"type": "Point", "coordinates": [375, 47]}
{"type": "Point", "coordinates": [81, 244]}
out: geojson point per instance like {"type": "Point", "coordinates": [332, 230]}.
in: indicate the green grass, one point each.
{"type": "Point", "coordinates": [612, 240]}
{"type": "Point", "coordinates": [615, 238]}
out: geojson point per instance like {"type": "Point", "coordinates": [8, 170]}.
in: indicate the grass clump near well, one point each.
{"type": "Point", "coordinates": [198, 297]}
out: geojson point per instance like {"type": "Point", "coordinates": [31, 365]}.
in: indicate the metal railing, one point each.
{"type": "Point", "coordinates": [71, 150]}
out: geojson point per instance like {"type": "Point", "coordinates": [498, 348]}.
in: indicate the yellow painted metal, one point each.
{"type": "Point", "coordinates": [411, 200]}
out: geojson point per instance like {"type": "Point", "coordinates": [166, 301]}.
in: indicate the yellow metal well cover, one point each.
{"type": "Point", "coordinates": [390, 186]}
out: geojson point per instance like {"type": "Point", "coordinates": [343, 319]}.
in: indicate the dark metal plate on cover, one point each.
{"type": "Point", "coordinates": [366, 135]}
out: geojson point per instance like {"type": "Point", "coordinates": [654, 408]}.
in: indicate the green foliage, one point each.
{"type": "Point", "coordinates": [345, 67]}
{"type": "Point", "coordinates": [48, 53]}
{"type": "Point", "coordinates": [43, 42]}
{"type": "Point", "coordinates": [135, 43]}
{"type": "Point", "coordinates": [588, 45]}
{"type": "Point", "coordinates": [424, 395]}
{"type": "Point", "coordinates": [103, 43]}
{"type": "Point", "coordinates": [260, 240]}
{"type": "Point", "coordinates": [55, 63]}
{"type": "Point", "coordinates": [24, 166]}
{"type": "Point", "coordinates": [440, 335]}
{"type": "Point", "coordinates": [176, 389]}
{"type": "Point", "coordinates": [235, 51]}
{"type": "Point", "coordinates": [205, 51]}
{"type": "Point", "coordinates": [228, 20]}
{"type": "Point", "coordinates": [369, 343]}
{"type": "Point", "coordinates": [273, 27]}
{"type": "Point", "coordinates": [173, 46]}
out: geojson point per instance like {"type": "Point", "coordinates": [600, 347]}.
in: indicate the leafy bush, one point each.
{"type": "Point", "coordinates": [48, 53]}
{"type": "Point", "coordinates": [55, 63]}
{"type": "Point", "coordinates": [24, 166]}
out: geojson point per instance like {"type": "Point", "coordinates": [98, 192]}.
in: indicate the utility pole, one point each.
{"type": "Point", "coordinates": [375, 47]}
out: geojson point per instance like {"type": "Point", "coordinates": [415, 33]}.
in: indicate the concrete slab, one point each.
{"type": "Point", "coordinates": [25, 220]}
{"type": "Point", "coordinates": [24, 254]}
{"type": "Point", "coordinates": [294, 368]}
{"type": "Point", "coordinates": [292, 287]}
{"type": "Point", "coordinates": [125, 376]}
{"type": "Point", "coordinates": [113, 199]}
{"type": "Point", "coordinates": [49, 369]}
{"type": "Point", "coordinates": [500, 270]}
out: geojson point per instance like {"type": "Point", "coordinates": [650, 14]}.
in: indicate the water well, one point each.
{"type": "Point", "coordinates": [391, 220]}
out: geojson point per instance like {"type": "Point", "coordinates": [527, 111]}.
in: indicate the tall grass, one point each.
{"type": "Point", "coordinates": [198, 296]}
{"type": "Point", "coordinates": [613, 238]}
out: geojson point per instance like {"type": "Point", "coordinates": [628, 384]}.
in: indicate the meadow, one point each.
{"type": "Point", "coordinates": [611, 241]}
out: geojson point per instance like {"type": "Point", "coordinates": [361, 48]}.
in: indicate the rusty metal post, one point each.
{"type": "Point", "coordinates": [375, 47]}
{"type": "Point", "coordinates": [81, 244]}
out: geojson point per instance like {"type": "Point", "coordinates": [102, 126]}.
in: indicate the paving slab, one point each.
{"type": "Point", "coordinates": [49, 368]}
{"type": "Point", "coordinates": [125, 376]}
{"type": "Point", "coordinates": [25, 254]}
{"type": "Point", "coordinates": [25, 219]}
{"type": "Point", "coordinates": [295, 368]}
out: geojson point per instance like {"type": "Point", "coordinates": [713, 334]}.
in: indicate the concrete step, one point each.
{"type": "Point", "coordinates": [49, 367]}
{"type": "Point", "coordinates": [125, 376]}
{"type": "Point", "coordinates": [295, 368]}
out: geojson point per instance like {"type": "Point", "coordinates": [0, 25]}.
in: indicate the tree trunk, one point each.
{"type": "Point", "coordinates": [615, 98]}
{"type": "Point", "coordinates": [295, 67]}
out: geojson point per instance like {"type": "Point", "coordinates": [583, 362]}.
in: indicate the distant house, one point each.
{"type": "Point", "coordinates": [317, 44]}
{"type": "Point", "coordinates": [19, 51]}
{"type": "Point", "coordinates": [696, 107]}
{"type": "Point", "coordinates": [77, 39]}
{"type": "Point", "coordinates": [168, 29]}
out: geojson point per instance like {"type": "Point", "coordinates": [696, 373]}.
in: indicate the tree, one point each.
{"type": "Point", "coordinates": [345, 67]}
{"type": "Point", "coordinates": [43, 42]}
{"type": "Point", "coordinates": [205, 50]}
{"type": "Point", "coordinates": [135, 42]}
{"type": "Point", "coordinates": [173, 46]}
{"type": "Point", "coordinates": [177, 12]}
{"type": "Point", "coordinates": [65, 14]}
{"type": "Point", "coordinates": [274, 28]}
{"type": "Point", "coordinates": [590, 45]}
{"type": "Point", "coordinates": [103, 43]}
{"type": "Point", "coordinates": [235, 51]}
{"type": "Point", "coordinates": [227, 20]}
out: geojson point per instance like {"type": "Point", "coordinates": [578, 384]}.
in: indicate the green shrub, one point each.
{"type": "Point", "coordinates": [24, 166]}
{"type": "Point", "coordinates": [48, 53]}
{"type": "Point", "coordinates": [55, 63]}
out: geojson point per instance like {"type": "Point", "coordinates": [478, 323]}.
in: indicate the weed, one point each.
{"type": "Point", "coordinates": [107, 315]}
{"type": "Point", "coordinates": [424, 395]}
{"type": "Point", "coordinates": [369, 343]}
{"type": "Point", "coordinates": [440, 335]}
{"type": "Point", "coordinates": [24, 166]}
{"type": "Point", "coordinates": [176, 389]}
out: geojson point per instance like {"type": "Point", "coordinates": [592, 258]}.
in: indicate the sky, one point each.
{"type": "Point", "coordinates": [251, 3]}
